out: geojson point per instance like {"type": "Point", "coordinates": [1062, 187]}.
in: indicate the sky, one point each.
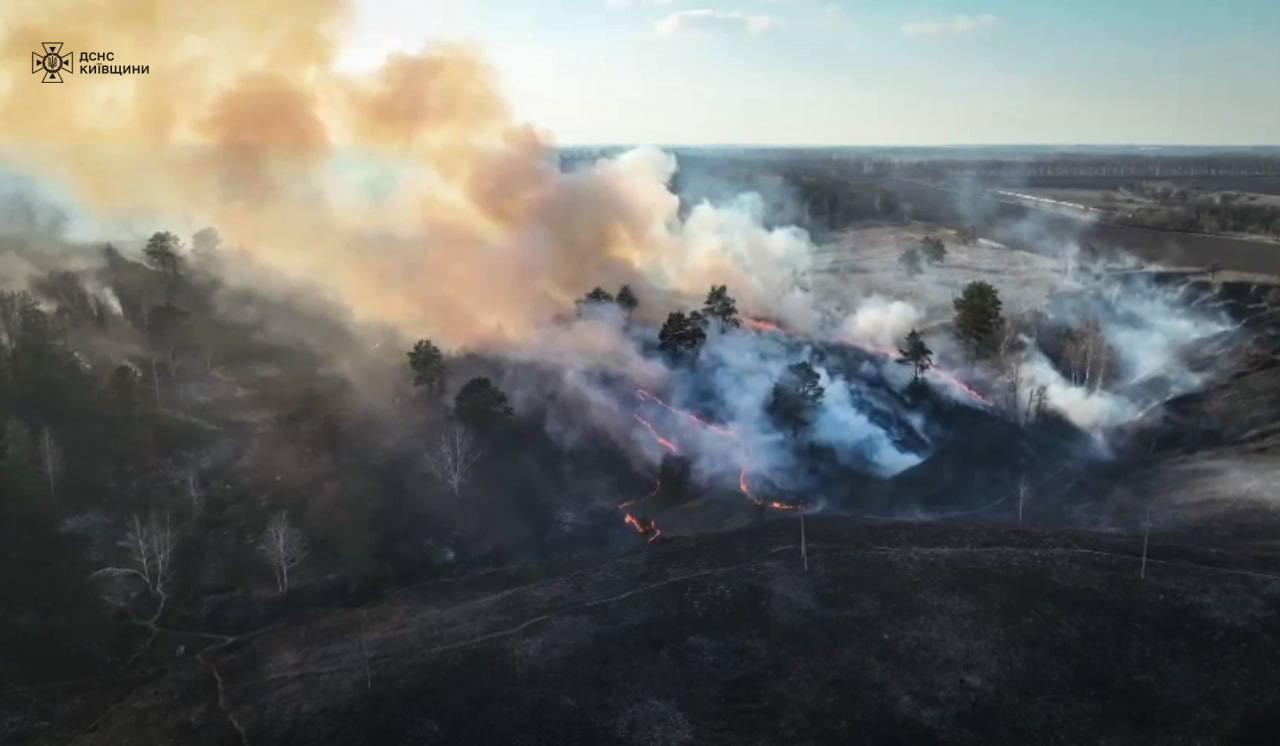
{"type": "Point", "coordinates": [854, 72]}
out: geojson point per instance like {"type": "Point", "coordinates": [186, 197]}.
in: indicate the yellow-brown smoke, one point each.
{"type": "Point", "coordinates": [240, 121]}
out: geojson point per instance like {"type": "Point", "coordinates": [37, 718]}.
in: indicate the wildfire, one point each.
{"type": "Point", "coordinates": [935, 371]}
{"type": "Point", "coordinates": [664, 442]}
{"type": "Point", "coordinates": [646, 396]}
{"type": "Point", "coordinates": [649, 529]}
{"type": "Point", "coordinates": [959, 384]}
{"type": "Point", "coordinates": [760, 325]}
{"type": "Point", "coordinates": [645, 527]}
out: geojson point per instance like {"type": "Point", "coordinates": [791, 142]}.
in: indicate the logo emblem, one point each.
{"type": "Point", "coordinates": [52, 62]}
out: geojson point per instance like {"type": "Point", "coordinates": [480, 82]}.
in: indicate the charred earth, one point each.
{"type": "Point", "coordinates": [892, 635]}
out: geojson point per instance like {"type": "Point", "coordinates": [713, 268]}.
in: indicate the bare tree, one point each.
{"type": "Point", "coordinates": [1037, 403]}
{"type": "Point", "coordinates": [1025, 401]}
{"type": "Point", "coordinates": [1024, 491]}
{"type": "Point", "coordinates": [1087, 355]}
{"type": "Point", "coordinates": [284, 546]}
{"type": "Point", "coordinates": [454, 457]}
{"type": "Point", "coordinates": [193, 491]}
{"type": "Point", "coordinates": [148, 548]}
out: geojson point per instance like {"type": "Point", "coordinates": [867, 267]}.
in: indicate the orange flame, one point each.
{"type": "Point", "coordinates": [942, 373]}
{"type": "Point", "coordinates": [760, 325]}
{"type": "Point", "coordinates": [644, 527]}
{"type": "Point", "coordinates": [646, 396]}
{"type": "Point", "coordinates": [647, 527]}
{"type": "Point", "coordinates": [744, 485]}
{"type": "Point", "coordinates": [664, 442]}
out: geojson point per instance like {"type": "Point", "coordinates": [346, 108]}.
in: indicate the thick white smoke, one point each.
{"type": "Point", "coordinates": [881, 322]}
{"type": "Point", "coordinates": [771, 272]}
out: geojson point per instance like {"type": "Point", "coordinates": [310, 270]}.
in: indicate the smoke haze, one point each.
{"type": "Point", "coordinates": [411, 197]}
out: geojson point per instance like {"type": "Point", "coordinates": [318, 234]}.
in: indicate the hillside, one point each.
{"type": "Point", "coordinates": [894, 634]}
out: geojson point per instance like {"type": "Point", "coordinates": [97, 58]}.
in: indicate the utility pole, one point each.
{"type": "Point", "coordinates": [155, 380]}
{"type": "Point", "coordinates": [1023, 488]}
{"type": "Point", "coordinates": [1146, 539]}
{"type": "Point", "coordinates": [804, 546]}
{"type": "Point", "coordinates": [364, 652]}
{"type": "Point", "coordinates": [48, 463]}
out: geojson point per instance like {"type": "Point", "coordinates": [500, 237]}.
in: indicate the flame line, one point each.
{"type": "Point", "coordinates": [744, 485]}
{"type": "Point", "coordinates": [664, 442]}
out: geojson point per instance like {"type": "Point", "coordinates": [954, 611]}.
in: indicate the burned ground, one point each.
{"type": "Point", "coordinates": [942, 602]}
{"type": "Point", "coordinates": [894, 634]}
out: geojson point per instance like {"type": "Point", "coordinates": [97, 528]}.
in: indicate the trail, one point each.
{"type": "Point", "coordinates": [223, 705]}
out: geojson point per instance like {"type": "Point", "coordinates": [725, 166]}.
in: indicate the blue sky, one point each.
{"type": "Point", "coordinates": [857, 72]}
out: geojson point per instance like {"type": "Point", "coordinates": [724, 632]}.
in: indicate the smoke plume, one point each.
{"type": "Point", "coordinates": [410, 193]}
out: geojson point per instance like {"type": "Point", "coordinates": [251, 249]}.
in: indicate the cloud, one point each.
{"type": "Point", "coordinates": [688, 20]}
{"type": "Point", "coordinates": [955, 25]}
{"type": "Point", "coordinates": [637, 3]}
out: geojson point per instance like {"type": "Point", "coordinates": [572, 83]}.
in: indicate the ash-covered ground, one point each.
{"type": "Point", "coordinates": [961, 575]}
{"type": "Point", "coordinates": [891, 634]}
{"type": "Point", "coordinates": [673, 515]}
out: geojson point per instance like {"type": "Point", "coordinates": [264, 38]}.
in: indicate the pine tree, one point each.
{"type": "Point", "coordinates": [916, 352]}
{"type": "Point", "coordinates": [427, 362]}
{"type": "Point", "coordinates": [911, 262]}
{"type": "Point", "coordinates": [162, 252]}
{"type": "Point", "coordinates": [682, 333]}
{"type": "Point", "coordinates": [597, 295]}
{"type": "Point", "coordinates": [795, 397]}
{"type": "Point", "coordinates": [933, 249]}
{"type": "Point", "coordinates": [481, 405]}
{"type": "Point", "coordinates": [721, 306]}
{"type": "Point", "coordinates": [626, 299]}
{"type": "Point", "coordinates": [978, 321]}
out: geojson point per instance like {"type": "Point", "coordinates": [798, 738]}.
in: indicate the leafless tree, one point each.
{"type": "Point", "coordinates": [1024, 491]}
{"type": "Point", "coordinates": [1036, 404]}
{"type": "Point", "coordinates": [148, 547]}
{"type": "Point", "coordinates": [1088, 355]}
{"type": "Point", "coordinates": [1009, 360]}
{"type": "Point", "coordinates": [1024, 401]}
{"type": "Point", "coordinates": [454, 457]}
{"type": "Point", "coordinates": [284, 546]}
{"type": "Point", "coordinates": [193, 491]}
